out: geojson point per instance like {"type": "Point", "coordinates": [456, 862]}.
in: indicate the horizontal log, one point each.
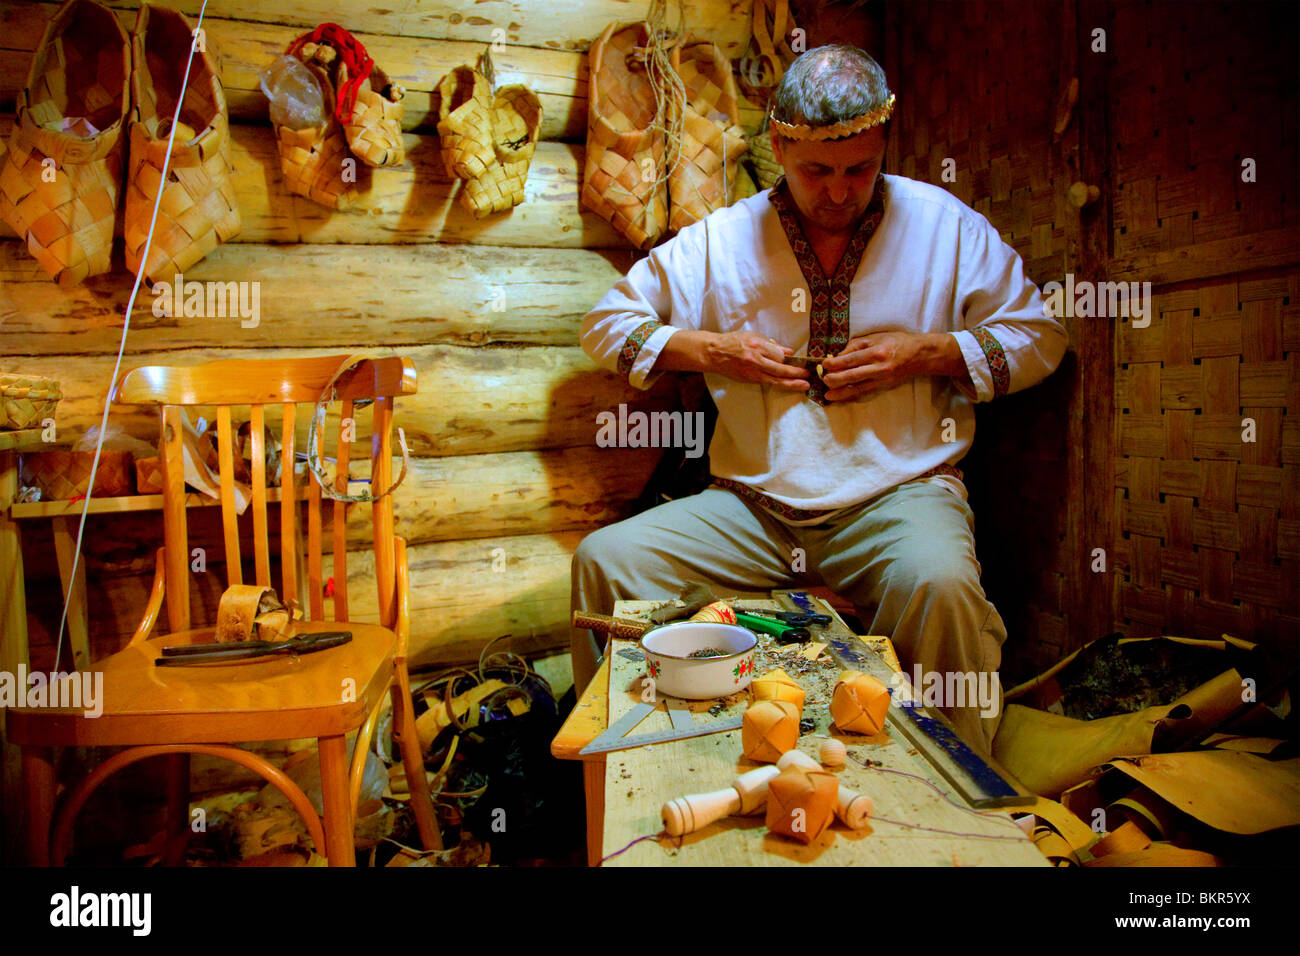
{"type": "Point", "coordinates": [466, 593]}
{"type": "Point", "coordinates": [471, 401]}
{"type": "Point", "coordinates": [243, 50]}
{"type": "Point", "coordinates": [414, 202]}
{"type": "Point", "coordinates": [362, 295]}
{"type": "Point", "coordinates": [540, 23]}
{"type": "Point", "coordinates": [458, 601]}
{"type": "Point", "coordinates": [442, 499]}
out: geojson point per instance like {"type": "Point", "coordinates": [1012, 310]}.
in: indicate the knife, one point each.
{"type": "Point", "coordinates": [246, 650]}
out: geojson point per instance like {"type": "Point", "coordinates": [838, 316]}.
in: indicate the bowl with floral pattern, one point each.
{"type": "Point", "coordinates": [695, 660]}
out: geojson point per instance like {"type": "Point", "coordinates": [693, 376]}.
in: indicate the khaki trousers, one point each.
{"type": "Point", "coordinates": [905, 558]}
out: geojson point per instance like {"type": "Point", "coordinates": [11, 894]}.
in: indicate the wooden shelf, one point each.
{"type": "Point", "coordinates": [123, 503]}
{"type": "Point", "coordinates": [23, 439]}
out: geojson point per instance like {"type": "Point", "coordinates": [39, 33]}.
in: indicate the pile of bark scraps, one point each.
{"type": "Point", "coordinates": [1109, 678]}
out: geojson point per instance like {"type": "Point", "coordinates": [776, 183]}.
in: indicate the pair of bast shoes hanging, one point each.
{"type": "Point", "coordinates": [625, 179]}
{"type": "Point", "coordinates": [487, 137]}
{"type": "Point", "coordinates": [94, 121]}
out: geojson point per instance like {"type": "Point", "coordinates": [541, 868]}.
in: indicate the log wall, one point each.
{"type": "Point", "coordinates": [503, 428]}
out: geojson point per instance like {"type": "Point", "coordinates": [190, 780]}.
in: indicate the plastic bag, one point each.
{"type": "Point", "coordinates": [115, 439]}
{"type": "Point", "coordinates": [297, 100]}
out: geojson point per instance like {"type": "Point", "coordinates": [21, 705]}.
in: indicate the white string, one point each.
{"type": "Point", "coordinates": [126, 327]}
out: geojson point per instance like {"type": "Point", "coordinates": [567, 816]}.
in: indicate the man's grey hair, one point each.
{"type": "Point", "coordinates": [829, 84]}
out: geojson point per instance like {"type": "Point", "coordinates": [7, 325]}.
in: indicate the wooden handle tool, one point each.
{"type": "Point", "coordinates": [604, 624]}
{"type": "Point", "coordinates": [747, 794]}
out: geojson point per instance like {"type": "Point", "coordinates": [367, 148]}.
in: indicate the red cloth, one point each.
{"type": "Point", "coordinates": [351, 53]}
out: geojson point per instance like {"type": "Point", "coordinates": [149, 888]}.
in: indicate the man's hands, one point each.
{"type": "Point", "coordinates": [883, 360]}
{"type": "Point", "coordinates": [741, 356]}
{"type": "Point", "coordinates": [869, 363]}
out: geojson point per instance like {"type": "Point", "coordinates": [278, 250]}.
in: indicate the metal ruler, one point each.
{"type": "Point", "coordinates": [979, 784]}
{"type": "Point", "coordinates": [683, 726]}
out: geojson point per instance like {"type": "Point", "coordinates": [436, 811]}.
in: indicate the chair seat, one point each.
{"type": "Point", "coordinates": [278, 697]}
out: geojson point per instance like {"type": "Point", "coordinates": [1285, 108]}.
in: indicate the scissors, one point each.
{"type": "Point", "coordinates": [797, 618]}
{"type": "Point", "coordinates": [245, 650]}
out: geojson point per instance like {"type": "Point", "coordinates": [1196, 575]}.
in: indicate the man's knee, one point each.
{"type": "Point", "coordinates": [935, 577]}
{"type": "Point", "coordinates": [601, 549]}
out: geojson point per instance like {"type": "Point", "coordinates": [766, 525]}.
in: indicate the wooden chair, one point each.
{"type": "Point", "coordinates": [176, 711]}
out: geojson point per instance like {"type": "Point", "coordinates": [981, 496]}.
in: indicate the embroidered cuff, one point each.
{"type": "Point", "coordinates": [986, 362]}
{"type": "Point", "coordinates": [640, 351]}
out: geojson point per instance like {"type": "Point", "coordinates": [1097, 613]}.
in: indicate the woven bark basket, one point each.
{"type": "Point", "coordinates": [465, 123]}
{"type": "Point", "coordinates": [712, 140]}
{"type": "Point", "coordinates": [198, 210]}
{"type": "Point", "coordinates": [65, 210]}
{"type": "Point", "coordinates": [66, 474]}
{"type": "Point", "coordinates": [148, 476]}
{"type": "Point", "coordinates": [624, 154]}
{"type": "Point", "coordinates": [374, 129]}
{"type": "Point", "coordinates": [762, 160]}
{"type": "Point", "coordinates": [26, 402]}
{"type": "Point", "coordinates": [311, 158]}
{"type": "Point", "coordinates": [516, 124]}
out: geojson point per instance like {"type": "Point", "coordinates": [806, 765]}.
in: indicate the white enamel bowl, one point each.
{"type": "Point", "coordinates": [668, 659]}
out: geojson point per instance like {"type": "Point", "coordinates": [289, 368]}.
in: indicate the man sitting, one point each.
{"type": "Point", "coordinates": [911, 308]}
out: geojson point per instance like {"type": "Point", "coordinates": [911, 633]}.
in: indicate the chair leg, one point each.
{"type": "Point", "coordinates": [178, 809]}
{"type": "Point", "coordinates": [417, 784]}
{"type": "Point", "coordinates": [38, 773]}
{"type": "Point", "coordinates": [340, 843]}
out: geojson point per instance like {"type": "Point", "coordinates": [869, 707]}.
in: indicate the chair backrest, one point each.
{"type": "Point", "coordinates": [278, 386]}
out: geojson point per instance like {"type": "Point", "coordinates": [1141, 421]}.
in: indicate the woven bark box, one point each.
{"type": "Point", "coordinates": [26, 402]}
{"type": "Point", "coordinates": [148, 476]}
{"type": "Point", "coordinates": [66, 474]}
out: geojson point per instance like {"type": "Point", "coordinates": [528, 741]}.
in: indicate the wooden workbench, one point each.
{"type": "Point", "coordinates": [626, 788]}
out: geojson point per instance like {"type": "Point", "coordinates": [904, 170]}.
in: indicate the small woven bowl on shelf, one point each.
{"type": "Point", "coordinates": [25, 401]}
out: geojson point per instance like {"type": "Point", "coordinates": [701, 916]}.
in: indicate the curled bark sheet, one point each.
{"type": "Point", "coordinates": [1049, 753]}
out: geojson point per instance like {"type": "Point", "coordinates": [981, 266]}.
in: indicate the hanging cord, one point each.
{"type": "Point", "coordinates": [121, 348]}
{"type": "Point", "coordinates": [668, 88]}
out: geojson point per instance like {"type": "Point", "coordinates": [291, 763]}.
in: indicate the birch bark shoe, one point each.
{"type": "Point", "coordinates": [198, 211]}
{"type": "Point", "coordinates": [62, 174]}
{"type": "Point", "coordinates": [712, 140]}
{"type": "Point", "coordinates": [312, 157]}
{"type": "Point", "coordinates": [465, 123]}
{"type": "Point", "coordinates": [625, 152]}
{"type": "Point", "coordinates": [516, 124]}
{"type": "Point", "coordinates": [374, 126]}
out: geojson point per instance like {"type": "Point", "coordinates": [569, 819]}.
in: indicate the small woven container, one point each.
{"type": "Point", "coordinates": [66, 474]}
{"type": "Point", "coordinates": [78, 73]}
{"type": "Point", "coordinates": [516, 124]}
{"type": "Point", "coordinates": [712, 140]}
{"type": "Point", "coordinates": [762, 161]}
{"type": "Point", "coordinates": [148, 476]}
{"type": "Point", "coordinates": [374, 129]}
{"type": "Point", "coordinates": [311, 159]}
{"type": "Point", "coordinates": [26, 402]}
{"type": "Point", "coordinates": [623, 150]}
{"type": "Point", "coordinates": [198, 210]}
{"type": "Point", "coordinates": [465, 123]}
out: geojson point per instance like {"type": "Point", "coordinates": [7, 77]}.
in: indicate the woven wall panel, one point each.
{"type": "Point", "coordinates": [1210, 522]}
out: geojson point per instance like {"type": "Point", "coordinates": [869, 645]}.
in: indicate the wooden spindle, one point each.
{"type": "Point", "coordinates": [261, 527]}
{"type": "Point", "coordinates": [229, 517]}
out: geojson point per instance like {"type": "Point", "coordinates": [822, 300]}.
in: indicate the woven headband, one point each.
{"type": "Point", "coordinates": [836, 130]}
